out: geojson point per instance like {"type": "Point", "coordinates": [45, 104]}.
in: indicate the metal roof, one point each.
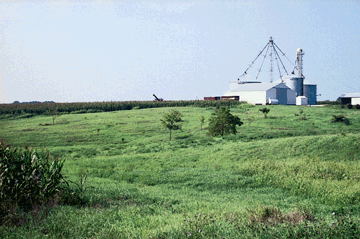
{"type": "Point", "coordinates": [258, 87]}
{"type": "Point", "coordinates": [307, 82]}
{"type": "Point", "coordinates": [350, 95]}
{"type": "Point", "coordinates": [245, 79]}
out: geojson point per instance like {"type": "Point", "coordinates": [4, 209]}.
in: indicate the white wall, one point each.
{"type": "Point", "coordinates": [301, 100]}
{"type": "Point", "coordinates": [355, 101]}
{"type": "Point", "coordinates": [254, 97]}
{"type": "Point", "coordinates": [261, 97]}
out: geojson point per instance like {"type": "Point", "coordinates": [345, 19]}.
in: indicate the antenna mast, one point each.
{"type": "Point", "coordinates": [274, 51]}
{"type": "Point", "coordinates": [271, 44]}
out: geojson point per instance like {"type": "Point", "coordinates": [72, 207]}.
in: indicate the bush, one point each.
{"type": "Point", "coordinates": [349, 106]}
{"type": "Point", "coordinates": [29, 179]}
{"type": "Point", "coordinates": [357, 106]}
{"type": "Point", "coordinates": [340, 118]}
{"type": "Point", "coordinates": [223, 122]}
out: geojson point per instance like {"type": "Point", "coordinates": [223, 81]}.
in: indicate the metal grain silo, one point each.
{"type": "Point", "coordinates": [295, 83]}
{"type": "Point", "coordinates": [310, 93]}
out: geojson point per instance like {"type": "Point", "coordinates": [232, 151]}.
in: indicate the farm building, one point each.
{"type": "Point", "coordinates": [350, 98]}
{"type": "Point", "coordinates": [260, 93]}
{"type": "Point", "coordinates": [264, 93]}
{"type": "Point", "coordinates": [290, 89]}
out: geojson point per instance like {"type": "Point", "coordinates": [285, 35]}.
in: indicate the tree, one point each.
{"type": "Point", "coordinates": [54, 114]}
{"type": "Point", "coordinates": [171, 119]}
{"type": "Point", "coordinates": [223, 122]}
{"type": "Point", "coordinates": [202, 120]}
{"type": "Point", "coordinates": [265, 111]}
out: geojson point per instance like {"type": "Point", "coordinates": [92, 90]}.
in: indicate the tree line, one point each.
{"type": "Point", "coordinates": [92, 107]}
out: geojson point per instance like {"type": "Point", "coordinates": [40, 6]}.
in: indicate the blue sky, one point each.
{"type": "Point", "coordinates": [85, 51]}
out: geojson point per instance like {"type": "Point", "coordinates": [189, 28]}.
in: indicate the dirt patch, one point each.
{"type": "Point", "coordinates": [273, 216]}
{"type": "Point", "coordinates": [28, 129]}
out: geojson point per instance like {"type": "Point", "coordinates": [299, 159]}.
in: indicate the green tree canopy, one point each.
{"type": "Point", "coordinates": [223, 122]}
{"type": "Point", "coordinates": [171, 120]}
{"type": "Point", "coordinates": [265, 111]}
{"type": "Point", "coordinates": [202, 120]}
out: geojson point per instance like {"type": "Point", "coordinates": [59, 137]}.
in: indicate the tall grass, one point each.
{"type": "Point", "coordinates": [278, 177]}
{"type": "Point", "coordinates": [30, 180]}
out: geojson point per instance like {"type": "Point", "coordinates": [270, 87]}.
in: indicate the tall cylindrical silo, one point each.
{"type": "Point", "coordinates": [294, 83]}
{"type": "Point", "coordinates": [310, 93]}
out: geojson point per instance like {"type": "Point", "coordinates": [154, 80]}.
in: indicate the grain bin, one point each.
{"type": "Point", "coordinates": [295, 83]}
{"type": "Point", "coordinates": [310, 93]}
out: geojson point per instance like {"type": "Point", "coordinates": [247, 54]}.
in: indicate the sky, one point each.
{"type": "Point", "coordinates": [88, 51]}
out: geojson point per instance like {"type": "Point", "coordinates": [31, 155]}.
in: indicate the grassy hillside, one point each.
{"type": "Point", "coordinates": [290, 175]}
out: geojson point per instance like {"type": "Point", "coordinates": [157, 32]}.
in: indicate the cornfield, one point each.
{"type": "Point", "coordinates": [92, 107]}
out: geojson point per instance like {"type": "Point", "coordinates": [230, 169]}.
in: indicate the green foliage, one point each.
{"type": "Point", "coordinates": [28, 178]}
{"type": "Point", "coordinates": [146, 186]}
{"type": "Point", "coordinates": [54, 114]}
{"type": "Point", "coordinates": [337, 102]}
{"type": "Point", "coordinates": [202, 120]}
{"type": "Point", "coordinates": [340, 118]}
{"type": "Point", "coordinates": [250, 120]}
{"type": "Point", "coordinates": [77, 195]}
{"type": "Point", "coordinates": [301, 114]}
{"type": "Point", "coordinates": [171, 120]}
{"type": "Point", "coordinates": [223, 122]}
{"type": "Point", "coordinates": [265, 111]}
{"type": "Point", "coordinates": [93, 107]}
{"type": "Point", "coordinates": [267, 222]}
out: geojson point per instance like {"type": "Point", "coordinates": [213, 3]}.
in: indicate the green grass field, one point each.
{"type": "Point", "coordinates": [290, 175]}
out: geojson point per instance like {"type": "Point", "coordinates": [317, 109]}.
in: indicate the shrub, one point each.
{"type": "Point", "coordinates": [357, 106]}
{"type": "Point", "coordinates": [340, 118]}
{"type": "Point", "coordinates": [29, 179]}
{"type": "Point", "coordinates": [223, 122]}
{"type": "Point", "coordinates": [349, 106]}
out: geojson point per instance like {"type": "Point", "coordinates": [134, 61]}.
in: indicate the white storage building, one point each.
{"type": "Point", "coordinates": [350, 98]}
{"type": "Point", "coordinates": [261, 93]}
